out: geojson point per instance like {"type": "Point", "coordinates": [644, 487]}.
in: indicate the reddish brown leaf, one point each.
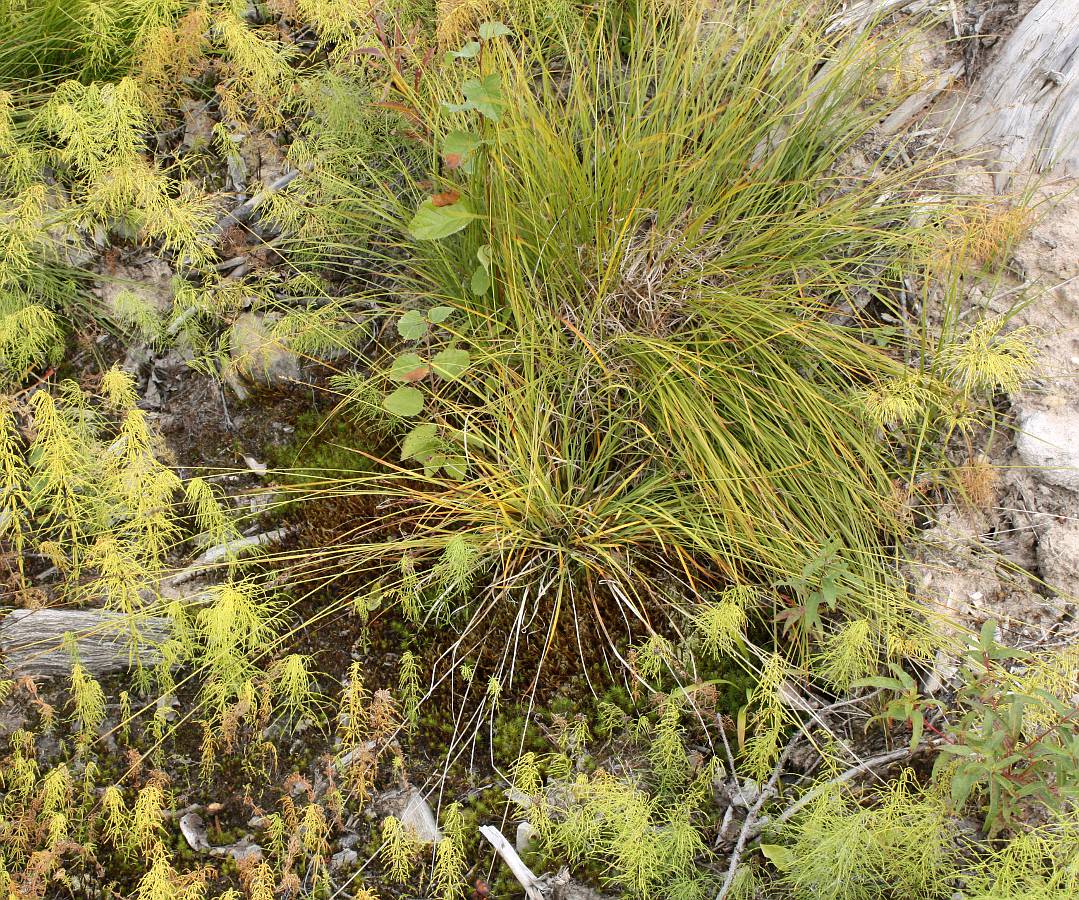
{"type": "Point", "coordinates": [445, 198]}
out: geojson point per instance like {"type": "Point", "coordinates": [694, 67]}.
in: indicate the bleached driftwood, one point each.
{"type": "Point", "coordinates": [862, 12]}
{"type": "Point", "coordinates": [32, 641]}
{"type": "Point", "coordinates": [219, 552]}
{"type": "Point", "coordinates": [557, 886]}
{"type": "Point", "coordinates": [1025, 110]}
{"type": "Point", "coordinates": [524, 875]}
{"type": "Point", "coordinates": [905, 113]}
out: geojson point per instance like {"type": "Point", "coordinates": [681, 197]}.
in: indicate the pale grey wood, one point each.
{"type": "Point", "coordinates": [32, 641]}
{"type": "Point", "coordinates": [906, 112]}
{"type": "Point", "coordinates": [1023, 114]}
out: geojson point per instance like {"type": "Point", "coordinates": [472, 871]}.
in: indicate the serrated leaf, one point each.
{"type": "Point", "coordinates": [480, 283]}
{"type": "Point", "coordinates": [489, 30]}
{"type": "Point", "coordinates": [420, 441]}
{"type": "Point", "coordinates": [485, 96]}
{"type": "Point", "coordinates": [405, 402]}
{"type": "Point", "coordinates": [412, 325]}
{"type": "Point", "coordinates": [451, 363]}
{"type": "Point", "coordinates": [439, 314]}
{"type": "Point", "coordinates": [458, 149]}
{"type": "Point", "coordinates": [432, 223]}
{"type": "Point", "coordinates": [408, 367]}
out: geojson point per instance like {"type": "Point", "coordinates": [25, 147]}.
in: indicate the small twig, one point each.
{"type": "Point", "coordinates": [727, 748]}
{"type": "Point", "coordinates": [240, 213]}
{"type": "Point", "coordinates": [751, 818]}
{"type": "Point", "coordinates": [521, 872]}
{"type": "Point", "coordinates": [214, 555]}
{"type": "Point", "coordinates": [866, 766]}
{"type": "Point", "coordinates": [229, 424]}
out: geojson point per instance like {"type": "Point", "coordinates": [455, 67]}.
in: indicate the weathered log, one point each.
{"type": "Point", "coordinates": [906, 112]}
{"type": "Point", "coordinates": [1024, 113]}
{"type": "Point", "coordinates": [32, 641]}
{"type": "Point", "coordinates": [862, 12]}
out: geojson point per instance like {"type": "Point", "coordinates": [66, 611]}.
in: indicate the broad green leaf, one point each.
{"type": "Point", "coordinates": [412, 325]}
{"type": "Point", "coordinates": [405, 402]}
{"type": "Point", "coordinates": [432, 464]}
{"type": "Point", "coordinates": [484, 256]}
{"type": "Point", "coordinates": [408, 367]}
{"type": "Point", "coordinates": [451, 363]}
{"type": "Point", "coordinates": [432, 223]}
{"type": "Point", "coordinates": [455, 467]}
{"type": "Point", "coordinates": [439, 314]}
{"type": "Point", "coordinates": [458, 148]}
{"type": "Point", "coordinates": [778, 855]}
{"type": "Point", "coordinates": [485, 96]}
{"type": "Point", "coordinates": [420, 442]}
{"type": "Point", "coordinates": [468, 51]}
{"type": "Point", "coordinates": [481, 282]}
{"type": "Point", "coordinates": [489, 30]}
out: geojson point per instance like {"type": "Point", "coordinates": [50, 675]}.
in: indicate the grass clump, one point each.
{"type": "Point", "coordinates": [622, 290]}
{"type": "Point", "coordinates": [628, 349]}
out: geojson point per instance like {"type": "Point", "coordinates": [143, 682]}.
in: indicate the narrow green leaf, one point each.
{"type": "Point", "coordinates": [962, 784]}
{"type": "Point", "coordinates": [917, 722]}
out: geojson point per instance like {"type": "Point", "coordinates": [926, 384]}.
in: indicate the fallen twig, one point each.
{"type": "Point", "coordinates": [751, 818]}
{"type": "Point", "coordinates": [240, 213]}
{"type": "Point", "coordinates": [865, 766]}
{"type": "Point", "coordinates": [521, 872]}
{"type": "Point", "coordinates": [218, 552]}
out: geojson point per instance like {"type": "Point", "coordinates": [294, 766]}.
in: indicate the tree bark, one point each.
{"type": "Point", "coordinates": [1024, 113]}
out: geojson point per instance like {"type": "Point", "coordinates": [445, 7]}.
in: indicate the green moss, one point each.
{"type": "Point", "coordinates": [324, 445]}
